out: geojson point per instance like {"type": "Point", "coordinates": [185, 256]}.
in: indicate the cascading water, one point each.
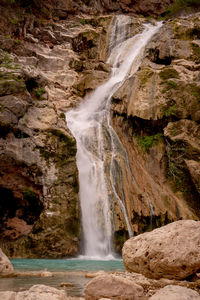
{"type": "Point", "coordinates": [91, 126]}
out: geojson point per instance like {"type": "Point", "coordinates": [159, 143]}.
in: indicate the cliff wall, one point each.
{"type": "Point", "coordinates": [50, 58]}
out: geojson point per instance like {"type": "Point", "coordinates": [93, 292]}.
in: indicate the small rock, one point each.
{"type": "Point", "coordinates": [66, 284]}
{"type": "Point", "coordinates": [175, 292]}
{"type": "Point", "coordinates": [93, 275]}
{"type": "Point", "coordinates": [8, 295]}
{"type": "Point", "coordinates": [46, 274]}
{"type": "Point", "coordinates": [6, 268]}
{"type": "Point", "coordinates": [42, 292]}
{"type": "Point", "coordinates": [113, 286]}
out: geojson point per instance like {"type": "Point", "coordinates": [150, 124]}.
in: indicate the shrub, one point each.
{"type": "Point", "coordinates": [38, 92]}
{"type": "Point", "coordinates": [146, 142]}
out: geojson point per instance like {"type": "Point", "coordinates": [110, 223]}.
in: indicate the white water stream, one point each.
{"type": "Point", "coordinates": [89, 123]}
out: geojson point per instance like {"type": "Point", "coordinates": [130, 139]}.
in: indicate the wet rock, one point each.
{"type": "Point", "coordinates": [194, 169]}
{"type": "Point", "coordinates": [46, 274]}
{"type": "Point", "coordinates": [114, 287]}
{"type": "Point", "coordinates": [171, 251]}
{"type": "Point", "coordinates": [16, 228]}
{"type": "Point", "coordinates": [6, 268]}
{"type": "Point", "coordinates": [174, 292]}
{"type": "Point", "coordinates": [184, 130]}
{"type": "Point", "coordinates": [42, 292]}
{"type": "Point", "coordinates": [66, 284]}
{"type": "Point", "coordinates": [94, 274]}
{"type": "Point", "coordinates": [8, 295]}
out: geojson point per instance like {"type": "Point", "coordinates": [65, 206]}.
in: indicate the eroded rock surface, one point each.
{"type": "Point", "coordinates": [156, 116]}
{"type": "Point", "coordinates": [113, 287]}
{"type": "Point", "coordinates": [171, 251]}
{"type": "Point", "coordinates": [6, 268]}
{"type": "Point", "coordinates": [39, 292]}
{"type": "Point", "coordinates": [174, 292]}
{"type": "Point", "coordinates": [45, 69]}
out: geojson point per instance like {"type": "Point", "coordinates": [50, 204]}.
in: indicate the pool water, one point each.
{"type": "Point", "coordinates": [64, 270]}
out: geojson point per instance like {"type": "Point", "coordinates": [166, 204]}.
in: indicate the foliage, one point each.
{"type": "Point", "coordinates": [196, 52]}
{"type": "Point", "coordinates": [62, 115]}
{"type": "Point", "coordinates": [14, 21]}
{"type": "Point", "coordinates": [144, 76]}
{"type": "Point", "coordinates": [38, 92]}
{"type": "Point", "coordinates": [169, 111]}
{"type": "Point", "coordinates": [168, 73]}
{"type": "Point", "coordinates": [146, 142]}
{"type": "Point", "coordinates": [180, 5]}
{"type": "Point", "coordinates": [62, 137]}
{"type": "Point", "coordinates": [176, 170]}
{"type": "Point", "coordinates": [169, 85]}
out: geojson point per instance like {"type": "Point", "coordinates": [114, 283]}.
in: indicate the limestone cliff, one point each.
{"type": "Point", "coordinates": [44, 67]}
{"type": "Point", "coordinates": [156, 115]}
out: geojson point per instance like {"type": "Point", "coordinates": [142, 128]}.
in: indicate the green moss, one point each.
{"type": "Point", "coordinates": [38, 92]}
{"type": "Point", "coordinates": [62, 115]}
{"type": "Point", "coordinates": [179, 5]}
{"type": "Point", "coordinates": [169, 111]}
{"type": "Point", "coordinates": [14, 21]}
{"type": "Point", "coordinates": [144, 76]}
{"type": "Point", "coordinates": [196, 52]}
{"type": "Point", "coordinates": [62, 137]}
{"type": "Point", "coordinates": [146, 142]}
{"type": "Point", "coordinates": [195, 91]}
{"type": "Point", "coordinates": [169, 85]}
{"type": "Point", "coordinates": [168, 73]}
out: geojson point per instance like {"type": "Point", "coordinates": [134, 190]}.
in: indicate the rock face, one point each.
{"type": "Point", "coordinates": [45, 69]}
{"type": "Point", "coordinates": [47, 66]}
{"type": "Point", "coordinates": [174, 292]}
{"type": "Point", "coordinates": [63, 8]}
{"type": "Point", "coordinates": [156, 116]}
{"type": "Point", "coordinates": [172, 251]}
{"type": "Point", "coordinates": [113, 287]}
{"type": "Point", "coordinates": [6, 268]}
{"type": "Point", "coordinates": [39, 292]}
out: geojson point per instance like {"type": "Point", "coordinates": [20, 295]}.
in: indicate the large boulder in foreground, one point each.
{"type": "Point", "coordinates": [37, 292]}
{"type": "Point", "coordinates": [113, 287]}
{"type": "Point", "coordinates": [6, 268]}
{"type": "Point", "coordinates": [175, 292]}
{"type": "Point", "coordinates": [172, 251]}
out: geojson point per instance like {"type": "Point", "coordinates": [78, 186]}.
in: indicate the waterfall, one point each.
{"type": "Point", "coordinates": [98, 143]}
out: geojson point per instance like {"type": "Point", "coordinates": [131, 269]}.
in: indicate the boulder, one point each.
{"type": "Point", "coordinates": [113, 287]}
{"type": "Point", "coordinates": [172, 251]}
{"type": "Point", "coordinates": [41, 292]}
{"type": "Point", "coordinates": [6, 268]}
{"type": "Point", "coordinates": [175, 292]}
{"type": "Point", "coordinates": [7, 295]}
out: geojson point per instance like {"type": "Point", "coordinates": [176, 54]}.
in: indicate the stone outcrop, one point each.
{"type": "Point", "coordinates": [40, 79]}
{"type": "Point", "coordinates": [63, 8]}
{"type": "Point", "coordinates": [39, 292]}
{"type": "Point", "coordinates": [174, 292]}
{"type": "Point", "coordinates": [6, 268]}
{"type": "Point", "coordinates": [150, 287]}
{"type": "Point", "coordinates": [113, 287]}
{"type": "Point", "coordinates": [171, 251]}
{"type": "Point", "coordinates": [156, 116]}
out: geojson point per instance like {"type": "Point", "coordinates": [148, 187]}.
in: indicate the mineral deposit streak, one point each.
{"type": "Point", "coordinates": [91, 126]}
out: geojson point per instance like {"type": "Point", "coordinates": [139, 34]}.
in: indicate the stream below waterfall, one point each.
{"type": "Point", "coordinates": [100, 153]}
{"type": "Point", "coordinates": [72, 271]}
